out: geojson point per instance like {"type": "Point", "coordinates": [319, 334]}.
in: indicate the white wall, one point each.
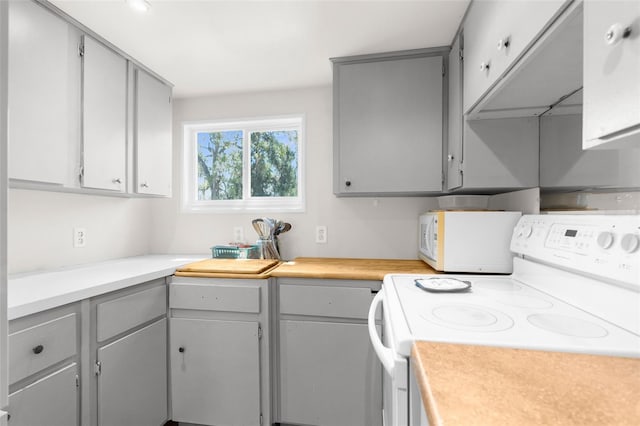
{"type": "Point", "coordinates": [40, 233]}
{"type": "Point", "coordinates": [357, 227]}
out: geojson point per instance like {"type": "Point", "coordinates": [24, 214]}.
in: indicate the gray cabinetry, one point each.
{"type": "Point", "coordinates": [455, 118]}
{"type": "Point", "coordinates": [43, 67]}
{"type": "Point", "coordinates": [129, 356]}
{"type": "Point", "coordinates": [219, 351]}
{"type": "Point", "coordinates": [328, 372]}
{"type": "Point", "coordinates": [565, 165]}
{"type": "Point", "coordinates": [388, 118]}
{"type": "Point", "coordinates": [611, 70]}
{"type": "Point", "coordinates": [497, 34]}
{"type": "Point", "coordinates": [43, 369]}
{"type": "Point", "coordinates": [152, 133]}
{"type": "Point", "coordinates": [104, 102]}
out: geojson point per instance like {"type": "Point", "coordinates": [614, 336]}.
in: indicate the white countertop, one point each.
{"type": "Point", "coordinates": [29, 293]}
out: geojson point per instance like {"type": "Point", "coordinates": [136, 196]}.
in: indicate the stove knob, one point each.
{"type": "Point", "coordinates": [526, 231]}
{"type": "Point", "coordinates": [630, 243]}
{"type": "Point", "coordinates": [605, 239]}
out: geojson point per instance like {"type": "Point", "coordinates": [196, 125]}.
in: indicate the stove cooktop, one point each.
{"type": "Point", "coordinates": [500, 311]}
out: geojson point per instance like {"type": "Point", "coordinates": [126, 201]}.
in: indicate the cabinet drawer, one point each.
{"type": "Point", "coordinates": [119, 315]}
{"type": "Point", "coordinates": [343, 302]}
{"type": "Point", "coordinates": [41, 346]}
{"type": "Point", "coordinates": [210, 297]}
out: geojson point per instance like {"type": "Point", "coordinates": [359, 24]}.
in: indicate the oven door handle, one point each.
{"type": "Point", "coordinates": [384, 354]}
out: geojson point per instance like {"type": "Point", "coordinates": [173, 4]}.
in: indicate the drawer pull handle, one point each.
{"type": "Point", "coordinates": [181, 349]}
{"type": "Point", "coordinates": [38, 349]}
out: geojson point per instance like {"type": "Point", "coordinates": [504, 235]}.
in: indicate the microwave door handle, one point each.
{"type": "Point", "coordinates": [429, 237]}
{"type": "Point", "coordinates": [384, 354]}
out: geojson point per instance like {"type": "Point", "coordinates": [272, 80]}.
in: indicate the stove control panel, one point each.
{"type": "Point", "coordinates": [606, 246]}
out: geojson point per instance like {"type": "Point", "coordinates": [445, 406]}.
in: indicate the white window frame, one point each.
{"type": "Point", "coordinates": [190, 202]}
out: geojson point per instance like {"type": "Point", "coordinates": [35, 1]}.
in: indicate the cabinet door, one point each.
{"type": "Point", "coordinates": [388, 126]}
{"type": "Point", "coordinates": [611, 69]}
{"type": "Point", "coordinates": [215, 372]}
{"type": "Point", "coordinates": [104, 90]}
{"type": "Point", "coordinates": [455, 118]}
{"type": "Point", "coordinates": [41, 120]}
{"type": "Point", "coordinates": [153, 135]}
{"type": "Point", "coordinates": [51, 401]}
{"type": "Point", "coordinates": [497, 33]}
{"type": "Point", "coordinates": [132, 386]}
{"type": "Point", "coordinates": [329, 375]}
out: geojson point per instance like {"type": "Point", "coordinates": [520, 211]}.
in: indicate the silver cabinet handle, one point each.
{"type": "Point", "coordinates": [615, 33]}
{"type": "Point", "coordinates": [116, 180]}
{"type": "Point", "coordinates": [144, 185]}
{"type": "Point", "coordinates": [484, 66]}
{"type": "Point", "coordinates": [450, 157]}
{"type": "Point", "coordinates": [503, 43]}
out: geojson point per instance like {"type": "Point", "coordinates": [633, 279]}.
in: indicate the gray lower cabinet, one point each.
{"type": "Point", "coordinates": [130, 356]}
{"type": "Point", "coordinates": [328, 371]}
{"type": "Point", "coordinates": [215, 372]}
{"type": "Point", "coordinates": [43, 369]}
{"type": "Point", "coordinates": [132, 385]}
{"type": "Point", "coordinates": [219, 351]}
{"type": "Point", "coordinates": [50, 401]}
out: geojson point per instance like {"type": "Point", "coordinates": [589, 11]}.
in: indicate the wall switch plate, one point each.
{"type": "Point", "coordinates": [238, 234]}
{"type": "Point", "coordinates": [79, 237]}
{"type": "Point", "coordinates": [321, 234]}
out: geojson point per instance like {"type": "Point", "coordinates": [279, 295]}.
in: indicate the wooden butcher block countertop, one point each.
{"type": "Point", "coordinates": [479, 385]}
{"type": "Point", "coordinates": [349, 269]}
{"type": "Point", "coordinates": [228, 268]}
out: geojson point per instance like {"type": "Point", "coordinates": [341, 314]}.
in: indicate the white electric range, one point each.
{"type": "Point", "coordinates": [575, 288]}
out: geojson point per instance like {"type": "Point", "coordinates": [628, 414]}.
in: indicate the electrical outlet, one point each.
{"type": "Point", "coordinates": [238, 234]}
{"type": "Point", "coordinates": [321, 234]}
{"type": "Point", "coordinates": [79, 237]}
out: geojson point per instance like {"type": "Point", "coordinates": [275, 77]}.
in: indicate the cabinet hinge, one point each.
{"type": "Point", "coordinates": [97, 368]}
{"type": "Point", "coordinates": [444, 71]}
{"type": "Point", "coordinates": [81, 48]}
{"type": "Point", "coordinates": [260, 419]}
{"type": "Point", "coordinates": [460, 54]}
{"type": "Point", "coordinates": [259, 332]}
{"type": "Point", "coordinates": [81, 174]}
{"type": "Point", "coordinates": [77, 381]}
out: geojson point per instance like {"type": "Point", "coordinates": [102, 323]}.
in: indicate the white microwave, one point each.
{"type": "Point", "coordinates": [467, 241]}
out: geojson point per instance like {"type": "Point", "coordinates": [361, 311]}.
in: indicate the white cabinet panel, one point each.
{"type": "Point", "coordinates": [329, 375]}
{"type": "Point", "coordinates": [132, 386]}
{"type": "Point", "coordinates": [215, 372]}
{"type": "Point", "coordinates": [388, 116]}
{"type": "Point", "coordinates": [50, 401]}
{"type": "Point", "coordinates": [104, 91]}
{"type": "Point", "coordinates": [611, 70]}
{"type": "Point", "coordinates": [152, 135]}
{"type": "Point", "coordinates": [42, 117]}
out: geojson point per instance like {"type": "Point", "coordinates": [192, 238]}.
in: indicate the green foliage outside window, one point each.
{"type": "Point", "coordinates": [273, 164]}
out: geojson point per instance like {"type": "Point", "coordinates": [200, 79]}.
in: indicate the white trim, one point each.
{"type": "Point", "coordinates": [190, 204]}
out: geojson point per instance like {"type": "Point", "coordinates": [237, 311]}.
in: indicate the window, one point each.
{"type": "Point", "coordinates": [244, 165]}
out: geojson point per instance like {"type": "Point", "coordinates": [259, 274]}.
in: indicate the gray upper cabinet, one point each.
{"type": "Point", "coordinates": [43, 118]}
{"type": "Point", "coordinates": [611, 70]}
{"type": "Point", "coordinates": [498, 38]}
{"type": "Point", "coordinates": [152, 135]}
{"type": "Point", "coordinates": [388, 123]}
{"type": "Point", "coordinates": [104, 101]}
{"type": "Point", "coordinates": [455, 117]}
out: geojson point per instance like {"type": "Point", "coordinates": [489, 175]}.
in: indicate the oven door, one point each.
{"type": "Point", "coordinates": [395, 404]}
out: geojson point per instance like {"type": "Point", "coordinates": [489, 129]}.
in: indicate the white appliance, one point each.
{"type": "Point", "coordinates": [467, 241]}
{"type": "Point", "coordinates": [575, 287]}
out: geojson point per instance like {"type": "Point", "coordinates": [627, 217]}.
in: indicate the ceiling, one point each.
{"type": "Point", "coordinates": [211, 47]}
